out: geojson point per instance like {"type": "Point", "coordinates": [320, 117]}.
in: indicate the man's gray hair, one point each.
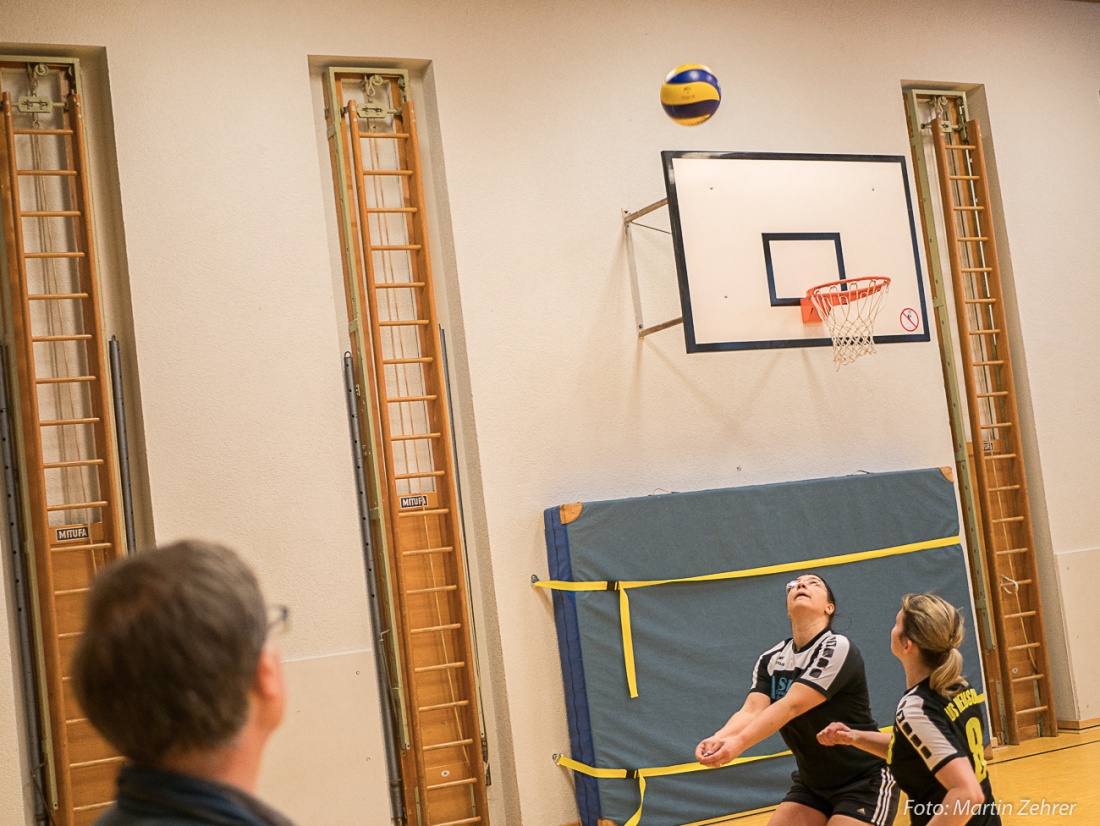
{"type": "Point", "coordinates": [172, 640]}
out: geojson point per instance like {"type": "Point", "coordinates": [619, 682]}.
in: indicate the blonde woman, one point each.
{"type": "Point", "coordinates": [936, 752]}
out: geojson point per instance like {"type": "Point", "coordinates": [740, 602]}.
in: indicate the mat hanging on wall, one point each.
{"type": "Point", "coordinates": [629, 624]}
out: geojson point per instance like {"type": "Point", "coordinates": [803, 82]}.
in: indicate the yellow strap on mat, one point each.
{"type": "Point", "coordinates": [659, 771]}
{"type": "Point", "coordinates": [654, 771]}
{"type": "Point", "coordinates": [622, 586]}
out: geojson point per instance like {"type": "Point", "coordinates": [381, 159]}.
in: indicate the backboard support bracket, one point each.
{"type": "Point", "coordinates": [629, 221]}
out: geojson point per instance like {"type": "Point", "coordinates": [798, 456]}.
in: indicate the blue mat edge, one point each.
{"type": "Point", "coordinates": [572, 667]}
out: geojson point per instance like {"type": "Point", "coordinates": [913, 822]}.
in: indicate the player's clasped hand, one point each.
{"type": "Point", "coordinates": [717, 751]}
{"type": "Point", "coordinates": [835, 734]}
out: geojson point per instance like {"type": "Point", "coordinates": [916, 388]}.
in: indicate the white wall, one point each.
{"type": "Point", "coordinates": [549, 124]}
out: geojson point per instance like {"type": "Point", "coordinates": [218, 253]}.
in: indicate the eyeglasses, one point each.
{"type": "Point", "coordinates": [808, 580]}
{"type": "Point", "coordinates": [278, 618]}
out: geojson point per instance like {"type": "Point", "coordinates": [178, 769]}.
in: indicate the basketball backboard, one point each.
{"type": "Point", "coordinates": [754, 231]}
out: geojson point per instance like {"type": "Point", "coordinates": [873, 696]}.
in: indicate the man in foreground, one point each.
{"type": "Point", "coordinates": [174, 669]}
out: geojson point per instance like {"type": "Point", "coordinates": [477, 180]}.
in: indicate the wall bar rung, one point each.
{"type": "Point", "coordinates": [64, 379]}
{"type": "Point", "coordinates": [450, 783]}
{"type": "Point", "coordinates": [421, 552]}
{"type": "Point", "coordinates": [44, 173]}
{"type": "Point", "coordinates": [435, 628]}
{"type": "Point", "coordinates": [42, 131]}
{"type": "Point", "coordinates": [1030, 678]}
{"type": "Point", "coordinates": [438, 746]}
{"type": "Point", "coordinates": [77, 463]}
{"type": "Point", "coordinates": [93, 546]}
{"type": "Point", "coordinates": [76, 506]}
{"type": "Point", "coordinates": [443, 706]}
{"type": "Point", "coordinates": [431, 512]}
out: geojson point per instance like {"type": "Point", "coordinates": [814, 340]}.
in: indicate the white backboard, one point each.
{"type": "Point", "coordinates": [754, 231]}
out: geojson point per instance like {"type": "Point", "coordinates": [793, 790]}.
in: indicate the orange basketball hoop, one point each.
{"type": "Point", "coordinates": [848, 310]}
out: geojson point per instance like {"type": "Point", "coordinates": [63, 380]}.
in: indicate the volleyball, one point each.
{"type": "Point", "coordinates": [690, 94]}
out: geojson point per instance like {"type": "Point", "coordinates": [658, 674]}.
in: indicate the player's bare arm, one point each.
{"type": "Point", "coordinates": [963, 796]}
{"type": "Point", "coordinates": [839, 734]}
{"type": "Point", "coordinates": [798, 700]}
{"type": "Point", "coordinates": [753, 705]}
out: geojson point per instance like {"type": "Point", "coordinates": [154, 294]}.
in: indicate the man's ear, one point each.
{"type": "Point", "coordinates": [268, 682]}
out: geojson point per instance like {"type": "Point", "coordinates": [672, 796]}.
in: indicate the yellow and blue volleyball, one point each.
{"type": "Point", "coordinates": [690, 94]}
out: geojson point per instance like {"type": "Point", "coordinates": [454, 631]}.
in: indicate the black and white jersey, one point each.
{"type": "Point", "coordinates": [929, 732]}
{"type": "Point", "coordinates": [831, 664]}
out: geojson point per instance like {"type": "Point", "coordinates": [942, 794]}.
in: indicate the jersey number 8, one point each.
{"type": "Point", "coordinates": [977, 748]}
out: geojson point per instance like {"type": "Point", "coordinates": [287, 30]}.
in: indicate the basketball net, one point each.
{"type": "Point", "coordinates": [848, 310]}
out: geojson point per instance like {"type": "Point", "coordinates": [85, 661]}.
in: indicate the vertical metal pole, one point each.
{"type": "Point", "coordinates": [632, 261]}
{"type": "Point", "coordinates": [120, 440]}
{"type": "Point", "coordinates": [19, 592]}
{"type": "Point", "coordinates": [393, 761]}
{"type": "Point", "coordinates": [465, 556]}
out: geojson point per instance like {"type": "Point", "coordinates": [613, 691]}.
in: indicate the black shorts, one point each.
{"type": "Point", "coordinates": [871, 799]}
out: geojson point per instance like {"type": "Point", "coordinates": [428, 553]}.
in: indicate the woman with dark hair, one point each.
{"type": "Point", "coordinates": [799, 686]}
{"type": "Point", "coordinates": [937, 750]}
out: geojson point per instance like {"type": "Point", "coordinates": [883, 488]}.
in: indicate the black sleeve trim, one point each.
{"type": "Point", "coordinates": [824, 692]}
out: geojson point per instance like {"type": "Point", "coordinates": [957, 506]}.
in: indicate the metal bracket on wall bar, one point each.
{"type": "Point", "coordinates": [366, 111]}
{"type": "Point", "coordinates": [939, 106]}
{"type": "Point", "coordinates": [628, 220]}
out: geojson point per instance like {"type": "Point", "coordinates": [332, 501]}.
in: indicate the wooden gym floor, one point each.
{"type": "Point", "coordinates": [1038, 776]}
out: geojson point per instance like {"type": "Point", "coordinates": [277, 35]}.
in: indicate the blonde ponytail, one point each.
{"type": "Point", "coordinates": [936, 628]}
{"type": "Point", "coordinates": [945, 677]}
